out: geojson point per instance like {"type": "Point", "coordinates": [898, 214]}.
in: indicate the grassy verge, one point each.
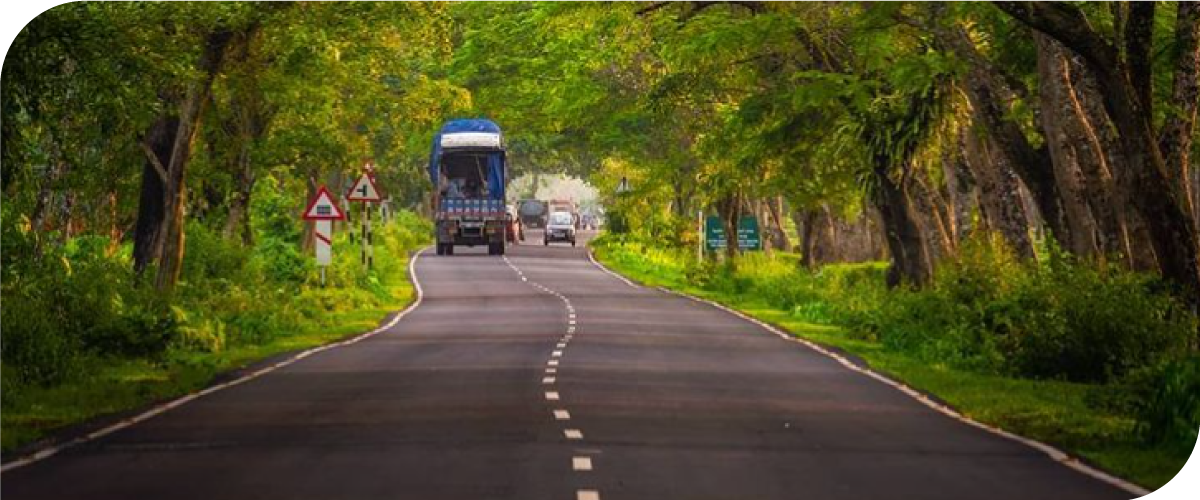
{"type": "Point", "coordinates": [216, 327]}
{"type": "Point", "coordinates": [1088, 420]}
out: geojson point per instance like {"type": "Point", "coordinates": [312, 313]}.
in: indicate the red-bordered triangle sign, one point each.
{"type": "Point", "coordinates": [364, 190]}
{"type": "Point", "coordinates": [322, 207]}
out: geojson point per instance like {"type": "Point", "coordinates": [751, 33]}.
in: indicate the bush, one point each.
{"type": "Point", "coordinates": [75, 302]}
{"type": "Point", "coordinates": [986, 310]}
{"type": "Point", "coordinates": [1171, 415]}
{"type": "Point", "coordinates": [281, 261]}
{"type": "Point", "coordinates": [209, 256]}
{"type": "Point", "coordinates": [36, 350]}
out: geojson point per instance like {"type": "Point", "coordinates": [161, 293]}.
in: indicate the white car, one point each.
{"type": "Point", "coordinates": [560, 227]}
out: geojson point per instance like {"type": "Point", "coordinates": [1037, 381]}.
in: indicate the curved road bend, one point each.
{"type": "Point", "coordinates": [541, 377]}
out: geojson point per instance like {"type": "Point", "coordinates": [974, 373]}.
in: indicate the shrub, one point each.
{"type": "Point", "coordinates": [36, 350]}
{"type": "Point", "coordinates": [986, 310]}
{"type": "Point", "coordinates": [281, 261]}
{"type": "Point", "coordinates": [209, 256]}
{"type": "Point", "coordinates": [1171, 415]}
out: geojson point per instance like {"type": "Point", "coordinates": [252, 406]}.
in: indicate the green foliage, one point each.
{"type": "Point", "coordinates": [987, 311]}
{"type": "Point", "coordinates": [74, 302]}
{"type": "Point", "coordinates": [1171, 415]}
{"type": "Point", "coordinates": [77, 302]}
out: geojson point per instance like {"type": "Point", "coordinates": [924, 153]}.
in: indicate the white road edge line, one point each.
{"type": "Point", "coordinates": [1054, 453]}
{"type": "Point", "coordinates": [551, 396]}
{"type": "Point", "coordinates": [182, 400]}
{"type": "Point", "coordinates": [592, 257]}
{"type": "Point", "coordinates": [573, 433]}
{"type": "Point", "coordinates": [562, 415]}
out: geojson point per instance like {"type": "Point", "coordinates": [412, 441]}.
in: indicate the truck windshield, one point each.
{"type": "Point", "coordinates": [560, 218]}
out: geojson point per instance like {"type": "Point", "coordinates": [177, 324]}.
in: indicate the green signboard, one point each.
{"type": "Point", "coordinates": [748, 235]}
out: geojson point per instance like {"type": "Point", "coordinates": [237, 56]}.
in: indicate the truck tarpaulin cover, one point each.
{"type": "Point", "coordinates": [495, 161]}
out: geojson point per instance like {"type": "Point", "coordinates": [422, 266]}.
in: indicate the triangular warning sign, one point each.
{"type": "Point", "coordinates": [323, 208]}
{"type": "Point", "coordinates": [364, 190]}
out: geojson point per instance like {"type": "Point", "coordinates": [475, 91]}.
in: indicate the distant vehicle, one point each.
{"type": "Point", "coordinates": [561, 227]}
{"type": "Point", "coordinates": [533, 213]}
{"type": "Point", "coordinates": [566, 206]}
{"type": "Point", "coordinates": [467, 169]}
{"type": "Point", "coordinates": [515, 231]}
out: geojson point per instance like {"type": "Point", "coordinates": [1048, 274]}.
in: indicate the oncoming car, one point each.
{"type": "Point", "coordinates": [560, 227]}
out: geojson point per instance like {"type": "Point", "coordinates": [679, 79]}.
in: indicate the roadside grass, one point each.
{"type": "Point", "coordinates": [1087, 420]}
{"type": "Point", "coordinates": [313, 316]}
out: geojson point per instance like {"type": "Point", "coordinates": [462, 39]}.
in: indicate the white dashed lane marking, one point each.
{"type": "Point", "coordinates": [581, 463]}
{"type": "Point", "coordinates": [578, 463]}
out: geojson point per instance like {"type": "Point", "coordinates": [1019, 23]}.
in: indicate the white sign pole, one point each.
{"type": "Point", "coordinates": [323, 233]}
{"type": "Point", "coordinates": [700, 240]}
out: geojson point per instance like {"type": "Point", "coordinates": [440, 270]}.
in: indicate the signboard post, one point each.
{"type": "Point", "coordinates": [323, 211]}
{"type": "Point", "coordinates": [748, 237]}
{"type": "Point", "coordinates": [364, 190]}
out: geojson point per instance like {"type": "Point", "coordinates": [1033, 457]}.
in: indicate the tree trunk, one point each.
{"type": "Point", "coordinates": [306, 238]}
{"type": "Point", "coordinates": [960, 184]}
{"type": "Point", "coordinates": [730, 209]}
{"type": "Point", "coordinates": [1179, 129]}
{"type": "Point", "coordinates": [778, 233]}
{"type": "Point", "coordinates": [237, 222]}
{"type": "Point", "coordinates": [806, 222]}
{"type": "Point", "coordinates": [1172, 228]}
{"type": "Point", "coordinates": [250, 127]}
{"type": "Point", "coordinates": [910, 262]}
{"type": "Point", "coordinates": [1068, 143]}
{"type": "Point", "coordinates": [932, 218]}
{"type": "Point", "coordinates": [990, 93]}
{"type": "Point", "coordinates": [999, 192]}
{"type": "Point", "coordinates": [190, 111]}
{"type": "Point", "coordinates": [158, 142]}
{"type": "Point", "coordinates": [45, 198]}
{"type": "Point", "coordinates": [1118, 227]}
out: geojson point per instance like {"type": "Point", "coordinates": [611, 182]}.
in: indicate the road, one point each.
{"type": "Point", "coordinates": [487, 390]}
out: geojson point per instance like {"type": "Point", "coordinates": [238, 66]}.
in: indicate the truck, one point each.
{"type": "Point", "coordinates": [467, 167]}
{"type": "Point", "coordinates": [533, 213]}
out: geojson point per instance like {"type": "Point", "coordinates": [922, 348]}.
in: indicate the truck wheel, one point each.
{"type": "Point", "coordinates": [449, 249]}
{"type": "Point", "coordinates": [545, 242]}
{"type": "Point", "coordinates": [572, 242]}
{"type": "Point", "coordinates": [441, 249]}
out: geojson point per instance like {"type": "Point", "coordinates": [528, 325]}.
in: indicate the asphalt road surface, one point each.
{"type": "Point", "coordinates": [539, 376]}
